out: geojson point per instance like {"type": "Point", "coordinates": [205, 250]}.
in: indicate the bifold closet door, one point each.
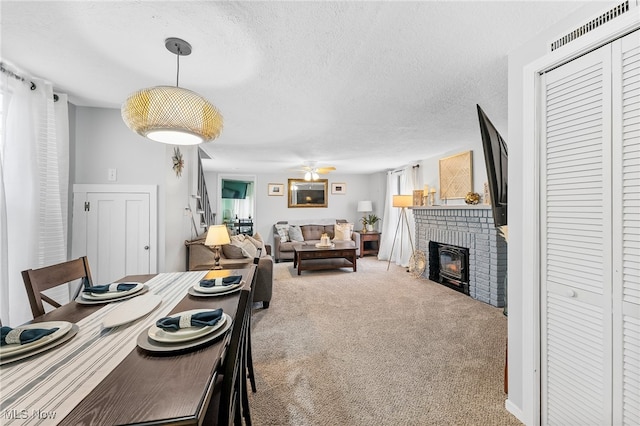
{"type": "Point", "coordinates": [590, 238]}
{"type": "Point", "coordinates": [626, 230]}
{"type": "Point", "coordinates": [576, 242]}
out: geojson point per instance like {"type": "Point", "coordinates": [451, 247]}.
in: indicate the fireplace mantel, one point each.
{"type": "Point", "coordinates": [472, 227]}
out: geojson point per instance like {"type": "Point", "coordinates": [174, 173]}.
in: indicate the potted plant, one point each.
{"type": "Point", "coordinates": [371, 221]}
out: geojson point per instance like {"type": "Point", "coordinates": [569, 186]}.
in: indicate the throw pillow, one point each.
{"type": "Point", "coordinates": [258, 243]}
{"type": "Point", "coordinates": [247, 247]}
{"type": "Point", "coordinates": [283, 231]}
{"type": "Point", "coordinates": [343, 231]}
{"type": "Point", "coordinates": [231, 251]}
{"type": "Point", "coordinates": [295, 233]}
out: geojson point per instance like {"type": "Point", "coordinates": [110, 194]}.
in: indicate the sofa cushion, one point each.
{"type": "Point", "coordinates": [295, 233]}
{"type": "Point", "coordinates": [232, 251]}
{"type": "Point", "coordinates": [343, 231]}
{"type": "Point", "coordinates": [283, 231]}
{"type": "Point", "coordinates": [313, 232]}
{"type": "Point", "coordinates": [259, 243]}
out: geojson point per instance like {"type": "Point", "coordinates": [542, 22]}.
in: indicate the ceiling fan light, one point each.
{"type": "Point", "coordinates": [172, 115]}
{"type": "Point", "coordinates": [315, 175]}
{"type": "Point", "coordinates": [307, 176]}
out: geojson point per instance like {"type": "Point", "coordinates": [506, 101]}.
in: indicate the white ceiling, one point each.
{"type": "Point", "coordinates": [362, 86]}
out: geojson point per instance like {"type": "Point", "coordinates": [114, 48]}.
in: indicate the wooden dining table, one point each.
{"type": "Point", "coordinates": [102, 377]}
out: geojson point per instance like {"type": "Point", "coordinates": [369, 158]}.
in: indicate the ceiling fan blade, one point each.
{"type": "Point", "coordinates": [325, 170]}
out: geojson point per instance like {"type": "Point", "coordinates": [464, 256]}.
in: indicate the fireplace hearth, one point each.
{"type": "Point", "coordinates": [449, 265]}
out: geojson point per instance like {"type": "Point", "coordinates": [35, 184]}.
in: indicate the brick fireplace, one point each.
{"type": "Point", "coordinates": [469, 227]}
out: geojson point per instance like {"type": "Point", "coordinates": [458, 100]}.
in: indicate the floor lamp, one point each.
{"type": "Point", "coordinates": [402, 201]}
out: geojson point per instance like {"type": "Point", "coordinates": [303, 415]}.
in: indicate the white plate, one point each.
{"type": "Point", "coordinates": [192, 291]}
{"type": "Point", "coordinates": [112, 294]}
{"type": "Point", "coordinates": [81, 300]}
{"type": "Point", "coordinates": [217, 288]}
{"type": "Point", "coordinates": [14, 349]}
{"type": "Point", "coordinates": [14, 357]}
{"type": "Point", "coordinates": [131, 310]}
{"type": "Point", "coordinates": [184, 334]}
{"type": "Point", "coordinates": [151, 346]}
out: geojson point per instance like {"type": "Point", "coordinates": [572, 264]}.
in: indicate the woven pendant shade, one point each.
{"type": "Point", "coordinates": [172, 115]}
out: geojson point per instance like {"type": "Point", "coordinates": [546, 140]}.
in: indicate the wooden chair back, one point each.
{"type": "Point", "coordinates": [38, 280]}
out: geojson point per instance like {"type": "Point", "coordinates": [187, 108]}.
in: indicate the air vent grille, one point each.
{"type": "Point", "coordinates": [591, 25]}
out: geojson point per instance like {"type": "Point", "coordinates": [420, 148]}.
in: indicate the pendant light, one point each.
{"type": "Point", "coordinates": [171, 114]}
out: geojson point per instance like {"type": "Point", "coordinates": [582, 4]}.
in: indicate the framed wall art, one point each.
{"type": "Point", "coordinates": [276, 189]}
{"type": "Point", "coordinates": [339, 188]}
{"type": "Point", "coordinates": [456, 177]}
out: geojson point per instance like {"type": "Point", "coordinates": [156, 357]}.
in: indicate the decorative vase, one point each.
{"type": "Point", "coordinates": [369, 228]}
{"type": "Point", "coordinates": [472, 198]}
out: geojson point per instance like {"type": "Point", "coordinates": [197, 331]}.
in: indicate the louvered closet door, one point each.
{"type": "Point", "coordinates": [626, 214]}
{"type": "Point", "coordinates": [576, 242]}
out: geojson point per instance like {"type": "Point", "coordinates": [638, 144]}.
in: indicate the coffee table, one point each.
{"type": "Point", "coordinates": [310, 258]}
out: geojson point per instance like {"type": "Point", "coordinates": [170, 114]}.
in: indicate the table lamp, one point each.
{"type": "Point", "coordinates": [217, 235]}
{"type": "Point", "coordinates": [364, 207]}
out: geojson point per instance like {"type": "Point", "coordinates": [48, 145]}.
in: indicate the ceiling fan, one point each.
{"type": "Point", "coordinates": [313, 172]}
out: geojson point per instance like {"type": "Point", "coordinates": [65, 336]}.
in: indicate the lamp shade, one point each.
{"type": "Point", "coordinates": [365, 206]}
{"type": "Point", "coordinates": [172, 115]}
{"type": "Point", "coordinates": [217, 235]}
{"type": "Point", "coordinates": [402, 200]}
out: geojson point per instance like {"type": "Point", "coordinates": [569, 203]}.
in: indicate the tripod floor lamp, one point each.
{"type": "Point", "coordinates": [401, 201]}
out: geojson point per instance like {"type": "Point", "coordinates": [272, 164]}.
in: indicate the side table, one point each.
{"type": "Point", "coordinates": [369, 243]}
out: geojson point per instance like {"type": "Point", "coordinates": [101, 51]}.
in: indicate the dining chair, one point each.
{"type": "Point", "coordinates": [249, 356]}
{"type": "Point", "coordinates": [226, 405]}
{"type": "Point", "coordinates": [38, 280]}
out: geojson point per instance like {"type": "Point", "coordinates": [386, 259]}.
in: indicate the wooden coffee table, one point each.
{"type": "Point", "coordinates": [310, 258]}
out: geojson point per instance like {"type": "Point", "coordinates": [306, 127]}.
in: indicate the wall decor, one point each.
{"type": "Point", "coordinates": [339, 188]}
{"type": "Point", "coordinates": [276, 189]}
{"type": "Point", "coordinates": [178, 162]}
{"type": "Point", "coordinates": [304, 193]}
{"type": "Point", "coordinates": [456, 177]}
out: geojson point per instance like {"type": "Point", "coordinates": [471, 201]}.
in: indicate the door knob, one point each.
{"type": "Point", "coordinates": [146, 247]}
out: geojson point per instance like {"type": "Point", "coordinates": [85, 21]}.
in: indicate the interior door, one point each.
{"type": "Point", "coordinates": [116, 229]}
{"type": "Point", "coordinates": [576, 329]}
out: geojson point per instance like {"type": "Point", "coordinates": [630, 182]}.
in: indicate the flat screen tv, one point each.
{"type": "Point", "coordinates": [495, 158]}
{"type": "Point", "coordinates": [234, 189]}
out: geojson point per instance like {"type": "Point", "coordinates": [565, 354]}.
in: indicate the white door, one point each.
{"type": "Point", "coordinates": [116, 226]}
{"type": "Point", "coordinates": [576, 242]}
{"type": "Point", "coordinates": [590, 247]}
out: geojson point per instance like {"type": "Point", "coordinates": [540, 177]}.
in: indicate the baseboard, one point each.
{"type": "Point", "coordinates": [515, 410]}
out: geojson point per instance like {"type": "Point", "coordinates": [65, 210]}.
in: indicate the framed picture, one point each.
{"type": "Point", "coordinates": [456, 176]}
{"type": "Point", "coordinates": [339, 188]}
{"type": "Point", "coordinates": [276, 189]}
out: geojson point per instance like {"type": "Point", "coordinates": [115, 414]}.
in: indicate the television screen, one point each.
{"type": "Point", "coordinates": [495, 158]}
{"type": "Point", "coordinates": [234, 189]}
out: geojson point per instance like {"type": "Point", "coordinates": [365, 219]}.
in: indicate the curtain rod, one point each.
{"type": "Point", "coordinates": [20, 78]}
{"type": "Point", "coordinates": [401, 170]}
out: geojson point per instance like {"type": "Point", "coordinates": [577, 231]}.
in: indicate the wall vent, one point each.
{"type": "Point", "coordinates": [602, 19]}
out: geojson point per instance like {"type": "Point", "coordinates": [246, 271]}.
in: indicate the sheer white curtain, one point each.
{"type": "Point", "coordinates": [395, 227]}
{"type": "Point", "coordinates": [34, 163]}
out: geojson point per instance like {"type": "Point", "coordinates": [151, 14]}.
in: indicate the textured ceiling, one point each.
{"type": "Point", "coordinates": [362, 86]}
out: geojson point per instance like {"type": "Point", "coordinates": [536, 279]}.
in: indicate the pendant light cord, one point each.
{"type": "Point", "coordinates": [178, 66]}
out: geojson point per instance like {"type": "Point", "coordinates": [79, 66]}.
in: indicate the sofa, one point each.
{"type": "Point", "coordinates": [288, 235]}
{"type": "Point", "coordinates": [202, 258]}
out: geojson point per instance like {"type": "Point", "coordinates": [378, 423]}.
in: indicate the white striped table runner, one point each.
{"type": "Point", "coordinates": [44, 390]}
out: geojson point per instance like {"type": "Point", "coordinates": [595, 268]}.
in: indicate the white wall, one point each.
{"type": "Point", "coordinates": [430, 167]}
{"type": "Point", "coordinates": [103, 141]}
{"type": "Point", "coordinates": [522, 401]}
{"type": "Point", "coordinates": [270, 209]}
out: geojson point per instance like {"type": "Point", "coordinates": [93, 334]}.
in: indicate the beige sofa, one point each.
{"type": "Point", "coordinates": [311, 233]}
{"type": "Point", "coordinates": [202, 258]}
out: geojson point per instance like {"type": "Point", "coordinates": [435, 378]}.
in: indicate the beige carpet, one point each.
{"type": "Point", "coordinates": [376, 348]}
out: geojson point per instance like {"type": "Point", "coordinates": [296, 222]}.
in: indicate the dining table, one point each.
{"type": "Point", "coordinates": [103, 376]}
